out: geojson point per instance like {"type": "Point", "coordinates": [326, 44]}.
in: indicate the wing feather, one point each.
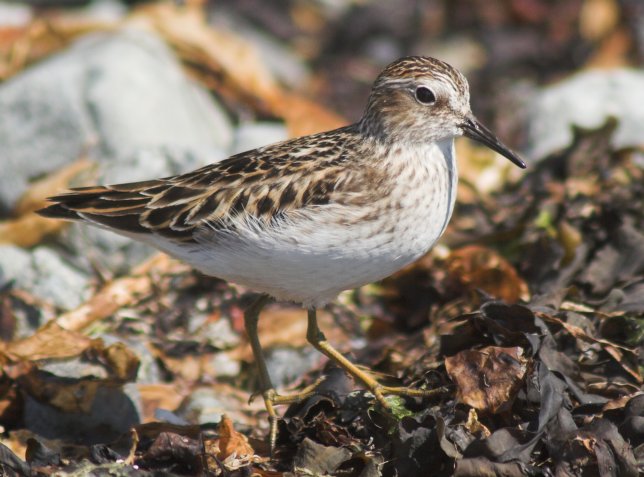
{"type": "Point", "coordinates": [266, 182]}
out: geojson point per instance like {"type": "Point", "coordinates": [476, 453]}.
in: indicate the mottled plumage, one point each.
{"type": "Point", "coordinates": [307, 218]}
{"type": "Point", "coordinates": [304, 219]}
{"type": "Point", "coordinates": [264, 184]}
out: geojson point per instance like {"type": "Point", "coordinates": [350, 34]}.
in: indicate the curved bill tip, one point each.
{"type": "Point", "coordinates": [473, 129]}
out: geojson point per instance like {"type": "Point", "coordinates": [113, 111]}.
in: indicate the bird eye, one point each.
{"type": "Point", "coordinates": [425, 95]}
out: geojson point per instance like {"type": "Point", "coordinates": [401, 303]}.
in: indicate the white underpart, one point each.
{"type": "Point", "coordinates": [314, 254]}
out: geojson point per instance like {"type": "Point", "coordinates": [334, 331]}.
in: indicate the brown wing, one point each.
{"type": "Point", "coordinates": [263, 182]}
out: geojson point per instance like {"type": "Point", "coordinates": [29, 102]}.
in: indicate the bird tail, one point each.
{"type": "Point", "coordinates": [115, 207]}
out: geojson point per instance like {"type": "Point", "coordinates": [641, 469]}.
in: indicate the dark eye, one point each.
{"type": "Point", "coordinates": [425, 95]}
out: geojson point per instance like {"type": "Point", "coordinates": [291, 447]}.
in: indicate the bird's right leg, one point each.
{"type": "Point", "coordinates": [270, 396]}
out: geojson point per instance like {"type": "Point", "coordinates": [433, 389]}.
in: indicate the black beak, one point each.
{"type": "Point", "coordinates": [473, 129]}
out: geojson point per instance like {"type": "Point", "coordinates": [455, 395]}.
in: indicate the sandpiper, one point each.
{"type": "Point", "coordinates": [304, 219]}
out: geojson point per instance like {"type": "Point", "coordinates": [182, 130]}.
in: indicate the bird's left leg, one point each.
{"type": "Point", "coordinates": [317, 339]}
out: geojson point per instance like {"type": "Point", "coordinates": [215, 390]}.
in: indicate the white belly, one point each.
{"type": "Point", "coordinates": [317, 253]}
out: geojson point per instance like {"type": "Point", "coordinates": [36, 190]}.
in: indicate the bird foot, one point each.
{"type": "Point", "coordinates": [272, 399]}
{"type": "Point", "coordinates": [381, 392]}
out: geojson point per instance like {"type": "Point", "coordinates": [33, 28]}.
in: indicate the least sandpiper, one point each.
{"type": "Point", "coordinates": [304, 219]}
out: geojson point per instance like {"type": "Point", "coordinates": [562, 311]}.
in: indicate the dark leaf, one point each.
{"type": "Point", "coordinates": [11, 465]}
{"type": "Point", "coordinates": [317, 459]}
{"type": "Point", "coordinates": [39, 455]}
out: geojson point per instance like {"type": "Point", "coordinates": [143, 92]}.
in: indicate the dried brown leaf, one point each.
{"type": "Point", "coordinates": [22, 360]}
{"type": "Point", "coordinates": [20, 47]}
{"type": "Point", "coordinates": [477, 267]}
{"type": "Point", "coordinates": [488, 379]}
{"type": "Point", "coordinates": [475, 426]}
{"type": "Point", "coordinates": [598, 18]}
{"type": "Point", "coordinates": [71, 396]}
{"type": "Point", "coordinates": [122, 363]}
{"type": "Point", "coordinates": [152, 430]}
{"type": "Point", "coordinates": [303, 116]}
{"type": "Point", "coordinates": [120, 292]}
{"type": "Point", "coordinates": [228, 63]}
{"type": "Point", "coordinates": [159, 396]}
{"type": "Point", "coordinates": [231, 449]}
{"type": "Point", "coordinates": [49, 342]}
{"type": "Point", "coordinates": [28, 229]}
{"type": "Point", "coordinates": [11, 404]}
{"type": "Point", "coordinates": [231, 441]}
{"type": "Point", "coordinates": [189, 367]}
{"type": "Point", "coordinates": [620, 402]}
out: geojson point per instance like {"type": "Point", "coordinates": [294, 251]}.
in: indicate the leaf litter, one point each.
{"type": "Point", "coordinates": [530, 322]}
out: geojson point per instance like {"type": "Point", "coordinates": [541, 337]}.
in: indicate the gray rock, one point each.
{"type": "Point", "coordinates": [15, 265]}
{"type": "Point", "coordinates": [113, 410]}
{"type": "Point", "coordinates": [219, 333]}
{"type": "Point", "coordinates": [223, 366]}
{"type": "Point", "coordinates": [586, 100]}
{"type": "Point", "coordinates": [206, 405]}
{"type": "Point", "coordinates": [45, 274]}
{"type": "Point", "coordinates": [16, 272]}
{"type": "Point", "coordinates": [252, 135]}
{"type": "Point", "coordinates": [58, 281]}
{"type": "Point", "coordinates": [104, 10]}
{"type": "Point", "coordinates": [74, 368]}
{"type": "Point", "coordinates": [112, 413]}
{"type": "Point", "coordinates": [285, 365]}
{"type": "Point", "coordinates": [15, 14]}
{"type": "Point", "coordinates": [115, 93]}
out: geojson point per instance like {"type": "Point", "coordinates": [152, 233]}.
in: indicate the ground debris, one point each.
{"type": "Point", "coordinates": [529, 317]}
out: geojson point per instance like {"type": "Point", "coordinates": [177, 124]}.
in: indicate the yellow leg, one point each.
{"type": "Point", "coordinates": [270, 396]}
{"type": "Point", "coordinates": [317, 339]}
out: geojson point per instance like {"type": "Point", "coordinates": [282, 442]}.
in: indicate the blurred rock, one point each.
{"type": "Point", "coordinates": [222, 365]}
{"type": "Point", "coordinates": [15, 265]}
{"type": "Point", "coordinates": [45, 274]}
{"type": "Point", "coordinates": [122, 98]}
{"type": "Point", "coordinates": [57, 281]}
{"type": "Point", "coordinates": [114, 94]}
{"type": "Point", "coordinates": [170, 417]}
{"type": "Point", "coordinates": [12, 14]}
{"type": "Point", "coordinates": [105, 10]}
{"type": "Point", "coordinates": [288, 364]}
{"type": "Point", "coordinates": [586, 100]}
{"type": "Point", "coordinates": [252, 135]}
{"type": "Point", "coordinates": [204, 405]}
{"type": "Point", "coordinates": [207, 404]}
{"type": "Point", "coordinates": [112, 413]}
{"type": "Point", "coordinates": [217, 333]}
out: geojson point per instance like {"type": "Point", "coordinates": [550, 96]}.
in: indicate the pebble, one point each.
{"type": "Point", "coordinates": [45, 274]}
{"type": "Point", "coordinates": [113, 96]}
{"type": "Point", "coordinates": [587, 99]}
